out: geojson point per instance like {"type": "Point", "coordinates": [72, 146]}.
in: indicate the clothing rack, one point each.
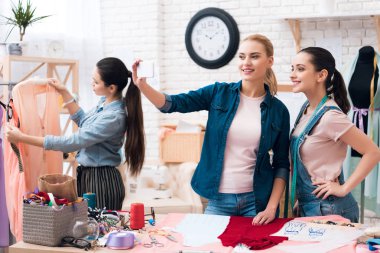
{"type": "Point", "coordinates": [8, 84]}
{"type": "Point", "coordinates": [10, 88]}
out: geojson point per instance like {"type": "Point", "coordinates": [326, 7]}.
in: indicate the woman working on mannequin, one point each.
{"type": "Point", "coordinates": [101, 133]}
{"type": "Point", "coordinates": [320, 137]}
{"type": "Point", "coordinates": [245, 122]}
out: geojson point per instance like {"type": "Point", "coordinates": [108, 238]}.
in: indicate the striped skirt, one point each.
{"type": "Point", "coordinates": [106, 182]}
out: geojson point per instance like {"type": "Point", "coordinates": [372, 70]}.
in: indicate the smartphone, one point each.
{"type": "Point", "coordinates": [145, 69]}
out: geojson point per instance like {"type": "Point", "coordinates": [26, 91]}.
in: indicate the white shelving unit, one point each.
{"type": "Point", "coordinates": [294, 24]}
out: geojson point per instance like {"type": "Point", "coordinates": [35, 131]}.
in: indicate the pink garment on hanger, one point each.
{"type": "Point", "coordinates": [38, 111]}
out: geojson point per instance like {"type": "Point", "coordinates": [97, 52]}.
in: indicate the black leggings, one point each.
{"type": "Point", "coordinates": [106, 182]}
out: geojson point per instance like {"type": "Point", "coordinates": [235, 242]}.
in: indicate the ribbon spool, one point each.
{"type": "Point", "coordinates": [121, 240]}
{"type": "Point", "coordinates": [91, 199]}
{"type": "Point", "coordinates": [137, 217]}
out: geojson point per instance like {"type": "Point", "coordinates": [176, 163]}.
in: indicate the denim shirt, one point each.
{"type": "Point", "coordinates": [221, 100]}
{"type": "Point", "coordinates": [99, 137]}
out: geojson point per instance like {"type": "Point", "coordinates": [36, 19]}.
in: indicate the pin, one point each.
{"type": "Point", "coordinates": [171, 238]}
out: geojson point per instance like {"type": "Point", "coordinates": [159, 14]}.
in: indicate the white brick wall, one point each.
{"type": "Point", "coordinates": [155, 30]}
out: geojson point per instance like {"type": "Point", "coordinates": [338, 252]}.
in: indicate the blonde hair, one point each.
{"type": "Point", "coordinates": [270, 78]}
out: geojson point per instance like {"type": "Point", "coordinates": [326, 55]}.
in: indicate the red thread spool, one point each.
{"type": "Point", "coordinates": [137, 217]}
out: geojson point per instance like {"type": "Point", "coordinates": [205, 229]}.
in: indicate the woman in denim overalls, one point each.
{"type": "Point", "coordinates": [320, 137]}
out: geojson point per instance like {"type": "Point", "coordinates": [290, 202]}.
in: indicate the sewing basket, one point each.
{"type": "Point", "coordinates": [45, 225]}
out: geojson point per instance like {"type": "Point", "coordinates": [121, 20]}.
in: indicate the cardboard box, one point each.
{"type": "Point", "coordinates": [181, 147]}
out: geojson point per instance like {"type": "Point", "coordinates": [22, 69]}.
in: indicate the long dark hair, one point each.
{"type": "Point", "coordinates": [335, 87]}
{"type": "Point", "coordinates": [113, 71]}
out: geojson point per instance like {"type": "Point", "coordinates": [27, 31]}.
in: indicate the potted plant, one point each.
{"type": "Point", "coordinates": [22, 17]}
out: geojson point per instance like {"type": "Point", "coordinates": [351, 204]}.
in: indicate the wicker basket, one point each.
{"type": "Point", "coordinates": [44, 225]}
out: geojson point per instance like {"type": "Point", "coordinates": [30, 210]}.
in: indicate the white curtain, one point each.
{"type": "Point", "coordinates": [76, 24]}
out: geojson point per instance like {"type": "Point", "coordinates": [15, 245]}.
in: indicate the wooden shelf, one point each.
{"type": "Point", "coordinates": [56, 61]}
{"type": "Point", "coordinates": [51, 68]}
{"type": "Point", "coordinates": [284, 87]}
{"type": "Point", "coordinates": [294, 23]}
{"type": "Point", "coordinates": [335, 16]}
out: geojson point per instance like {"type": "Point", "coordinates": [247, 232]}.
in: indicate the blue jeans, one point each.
{"type": "Point", "coordinates": [230, 204]}
{"type": "Point", "coordinates": [345, 206]}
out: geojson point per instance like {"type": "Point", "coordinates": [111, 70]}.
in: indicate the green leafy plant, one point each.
{"type": "Point", "coordinates": [22, 17]}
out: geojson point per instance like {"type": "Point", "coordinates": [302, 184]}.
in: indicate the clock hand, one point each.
{"type": "Point", "coordinates": [214, 35]}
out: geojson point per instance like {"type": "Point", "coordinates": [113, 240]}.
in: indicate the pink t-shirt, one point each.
{"type": "Point", "coordinates": [323, 152]}
{"type": "Point", "coordinates": [242, 145]}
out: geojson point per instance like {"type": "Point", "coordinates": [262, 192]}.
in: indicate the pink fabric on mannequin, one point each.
{"type": "Point", "coordinates": [38, 111]}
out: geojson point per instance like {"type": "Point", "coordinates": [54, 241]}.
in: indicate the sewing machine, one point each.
{"type": "Point", "coordinates": [150, 184]}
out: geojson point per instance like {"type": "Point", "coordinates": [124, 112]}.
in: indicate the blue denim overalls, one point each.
{"type": "Point", "coordinates": [309, 204]}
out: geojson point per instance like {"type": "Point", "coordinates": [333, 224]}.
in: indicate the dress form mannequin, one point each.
{"type": "Point", "coordinates": [360, 85]}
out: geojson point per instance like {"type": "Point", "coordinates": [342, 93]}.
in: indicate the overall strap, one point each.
{"type": "Point", "coordinates": [288, 186]}
{"type": "Point", "coordinates": [310, 126]}
{"type": "Point", "coordinates": [303, 108]}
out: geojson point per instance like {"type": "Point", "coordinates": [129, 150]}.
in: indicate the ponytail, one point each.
{"type": "Point", "coordinates": [135, 141]}
{"type": "Point", "coordinates": [114, 72]}
{"type": "Point", "coordinates": [271, 80]}
{"type": "Point", "coordinates": [339, 92]}
{"type": "Point", "coordinates": [334, 84]}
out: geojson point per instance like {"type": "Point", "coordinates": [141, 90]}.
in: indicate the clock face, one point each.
{"type": "Point", "coordinates": [212, 38]}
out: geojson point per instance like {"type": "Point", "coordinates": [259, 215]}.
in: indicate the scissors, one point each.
{"type": "Point", "coordinates": [163, 233]}
{"type": "Point", "coordinates": [153, 241]}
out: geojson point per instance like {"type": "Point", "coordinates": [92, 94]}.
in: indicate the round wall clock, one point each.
{"type": "Point", "coordinates": [212, 38]}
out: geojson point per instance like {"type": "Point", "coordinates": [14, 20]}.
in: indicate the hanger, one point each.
{"type": "Point", "coordinates": [6, 106]}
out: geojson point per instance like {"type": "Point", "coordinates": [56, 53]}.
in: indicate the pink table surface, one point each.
{"type": "Point", "coordinates": [171, 220]}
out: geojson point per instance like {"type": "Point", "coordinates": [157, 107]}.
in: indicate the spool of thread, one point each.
{"type": "Point", "coordinates": [91, 199]}
{"type": "Point", "coordinates": [137, 217]}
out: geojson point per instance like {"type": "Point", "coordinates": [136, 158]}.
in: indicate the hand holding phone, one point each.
{"type": "Point", "coordinates": [145, 69]}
